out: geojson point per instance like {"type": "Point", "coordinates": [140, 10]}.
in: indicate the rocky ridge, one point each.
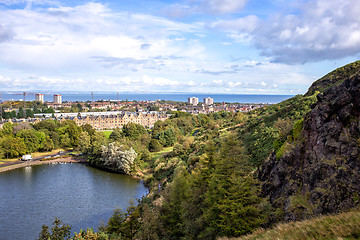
{"type": "Point", "coordinates": [318, 171]}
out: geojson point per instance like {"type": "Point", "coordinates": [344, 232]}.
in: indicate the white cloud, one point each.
{"type": "Point", "coordinates": [69, 37]}
{"type": "Point", "coordinates": [223, 6]}
{"type": "Point", "coordinates": [321, 30]}
{"type": "Point", "coordinates": [246, 24]}
{"type": "Point", "coordinates": [315, 31]}
{"type": "Point", "coordinates": [215, 7]}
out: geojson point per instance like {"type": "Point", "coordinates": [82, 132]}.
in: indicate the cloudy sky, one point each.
{"type": "Point", "coordinates": [200, 46]}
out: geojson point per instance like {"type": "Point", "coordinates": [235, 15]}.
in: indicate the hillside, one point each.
{"type": "Point", "coordinates": [317, 169]}
{"type": "Point", "coordinates": [334, 78]}
{"type": "Point", "coordinates": [342, 226]}
{"type": "Point", "coordinates": [229, 174]}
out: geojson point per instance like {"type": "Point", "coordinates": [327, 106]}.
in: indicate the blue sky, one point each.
{"type": "Point", "coordinates": [200, 46]}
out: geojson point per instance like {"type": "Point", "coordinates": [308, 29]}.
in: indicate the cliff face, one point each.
{"type": "Point", "coordinates": [334, 78]}
{"type": "Point", "coordinates": [319, 172]}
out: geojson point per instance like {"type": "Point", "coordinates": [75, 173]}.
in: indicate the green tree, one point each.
{"type": "Point", "coordinates": [84, 142]}
{"type": "Point", "coordinates": [97, 141]}
{"type": "Point", "coordinates": [13, 147]}
{"type": "Point", "coordinates": [133, 130]}
{"type": "Point", "coordinates": [59, 231]}
{"type": "Point", "coordinates": [166, 138]}
{"type": "Point", "coordinates": [116, 134]}
{"type": "Point", "coordinates": [88, 128]}
{"type": "Point", "coordinates": [115, 222]}
{"type": "Point", "coordinates": [124, 225]}
{"type": "Point", "coordinates": [155, 145]}
{"type": "Point", "coordinates": [7, 128]}
{"type": "Point", "coordinates": [48, 144]}
{"type": "Point", "coordinates": [232, 198]}
{"type": "Point", "coordinates": [172, 211]}
{"type": "Point", "coordinates": [132, 224]}
{"type": "Point", "coordinates": [150, 227]}
{"type": "Point", "coordinates": [31, 139]}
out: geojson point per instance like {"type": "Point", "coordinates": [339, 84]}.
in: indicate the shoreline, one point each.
{"type": "Point", "coordinates": [39, 162]}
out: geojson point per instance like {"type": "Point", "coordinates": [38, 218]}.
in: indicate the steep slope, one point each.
{"type": "Point", "coordinates": [333, 78]}
{"type": "Point", "coordinates": [342, 226]}
{"type": "Point", "coordinates": [317, 170]}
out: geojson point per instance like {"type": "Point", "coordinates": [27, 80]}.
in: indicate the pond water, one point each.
{"type": "Point", "coordinates": [79, 195]}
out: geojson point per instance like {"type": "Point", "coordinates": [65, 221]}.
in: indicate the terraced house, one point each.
{"type": "Point", "coordinates": [102, 122]}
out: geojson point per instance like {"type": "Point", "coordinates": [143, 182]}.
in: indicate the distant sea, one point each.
{"type": "Point", "coordinates": [182, 97]}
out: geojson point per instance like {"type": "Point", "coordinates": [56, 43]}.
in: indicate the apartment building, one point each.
{"type": "Point", "coordinates": [102, 122]}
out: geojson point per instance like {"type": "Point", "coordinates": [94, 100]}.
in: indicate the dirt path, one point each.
{"type": "Point", "coordinates": [19, 164]}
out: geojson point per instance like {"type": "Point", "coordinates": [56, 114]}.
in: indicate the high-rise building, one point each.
{"type": "Point", "coordinates": [57, 99]}
{"type": "Point", "coordinates": [208, 101]}
{"type": "Point", "coordinates": [39, 97]}
{"type": "Point", "coordinates": [193, 101]}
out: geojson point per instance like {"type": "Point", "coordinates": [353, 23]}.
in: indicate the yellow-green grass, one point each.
{"type": "Point", "coordinates": [107, 133]}
{"type": "Point", "coordinates": [342, 226]}
{"type": "Point", "coordinates": [161, 153]}
{"type": "Point", "coordinates": [39, 154]}
{"type": "Point", "coordinates": [8, 160]}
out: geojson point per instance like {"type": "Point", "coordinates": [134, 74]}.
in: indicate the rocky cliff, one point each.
{"type": "Point", "coordinates": [318, 170]}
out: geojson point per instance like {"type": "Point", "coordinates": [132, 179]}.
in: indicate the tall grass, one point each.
{"type": "Point", "coordinates": [343, 226]}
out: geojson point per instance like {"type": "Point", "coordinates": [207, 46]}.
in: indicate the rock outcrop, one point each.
{"type": "Point", "coordinates": [319, 173]}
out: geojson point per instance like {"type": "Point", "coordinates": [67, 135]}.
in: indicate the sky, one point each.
{"type": "Point", "coordinates": [173, 46]}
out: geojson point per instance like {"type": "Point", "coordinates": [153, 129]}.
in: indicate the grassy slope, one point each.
{"type": "Point", "coordinates": [107, 133]}
{"type": "Point", "coordinates": [343, 226]}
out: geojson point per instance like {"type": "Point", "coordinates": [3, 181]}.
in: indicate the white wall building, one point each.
{"type": "Point", "coordinates": [57, 99]}
{"type": "Point", "coordinates": [208, 101]}
{"type": "Point", "coordinates": [193, 101]}
{"type": "Point", "coordinates": [39, 97]}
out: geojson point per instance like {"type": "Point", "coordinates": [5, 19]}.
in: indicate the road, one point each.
{"type": "Point", "coordinates": [59, 154]}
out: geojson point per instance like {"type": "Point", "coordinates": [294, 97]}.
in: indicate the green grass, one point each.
{"type": "Point", "coordinates": [161, 153]}
{"type": "Point", "coordinates": [39, 154]}
{"type": "Point", "coordinates": [343, 226]}
{"type": "Point", "coordinates": [8, 160]}
{"type": "Point", "coordinates": [107, 133]}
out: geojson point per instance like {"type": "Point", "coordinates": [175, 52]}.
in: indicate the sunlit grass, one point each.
{"type": "Point", "coordinates": [107, 133]}
{"type": "Point", "coordinates": [161, 153]}
{"type": "Point", "coordinates": [343, 226]}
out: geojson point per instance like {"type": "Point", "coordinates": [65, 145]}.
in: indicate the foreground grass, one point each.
{"type": "Point", "coordinates": [342, 226]}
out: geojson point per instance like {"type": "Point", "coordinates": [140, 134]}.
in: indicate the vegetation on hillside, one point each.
{"type": "Point", "coordinates": [32, 107]}
{"type": "Point", "coordinates": [342, 226]}
{"type": "Point", "coordinates": [25, 138]}
{"type": "Point", "coordinates": [334, 78]}
{"type": "Point", "coordinates": [201, 170]}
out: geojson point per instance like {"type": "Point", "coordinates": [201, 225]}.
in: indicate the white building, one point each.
{"type": "Point", "coordinates": [193, 101]}
{"type": "Point", "coordinates": [39, 97]}
{"type": "Point", "coordinates": [57, 99]}
{"type": "Point", "coordinates": [208, 101]}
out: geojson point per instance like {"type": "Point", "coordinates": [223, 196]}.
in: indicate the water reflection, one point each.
{"type": "Point", "coordinates": [28, 171]}
{"type": "Point", "coordinates": [77, 194]}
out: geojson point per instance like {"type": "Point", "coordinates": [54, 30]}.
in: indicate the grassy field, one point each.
{"type": "Point", "coordinates": [343, 226]}
{"type": "Point", "coordinates": [156, 155]}
{"type": "Point", "coordinates": [107, 133]}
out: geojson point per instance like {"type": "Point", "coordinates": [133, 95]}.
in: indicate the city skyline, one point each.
{"type": "Point", "coordinates": [181, 46]}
